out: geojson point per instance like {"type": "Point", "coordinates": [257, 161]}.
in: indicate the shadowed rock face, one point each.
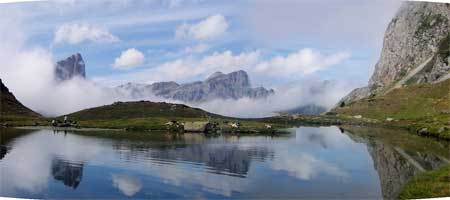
{"type": "Point", "coordinates": [234, 85]}
{"type": "Point", "coordinates": [415, 50]}
{"type": "Point", "coordinates": [70, 67]}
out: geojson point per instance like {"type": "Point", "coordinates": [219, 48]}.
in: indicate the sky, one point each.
{"type": "Point", "coordinates": [281, 44]}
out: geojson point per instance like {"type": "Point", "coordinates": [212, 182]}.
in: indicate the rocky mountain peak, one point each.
{"type": "Point", "coordinates": [70, 67]}
{"type": "Point", "coordinates": [233, 79]}
{"type": "Point", "coordinates": [415, 50]}
{"type": "Point", "coordinates": [412, 42]}
{"type": "Point", "coordinates": [215, 75]}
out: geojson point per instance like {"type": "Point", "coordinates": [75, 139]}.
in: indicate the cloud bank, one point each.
{"type": "Point", "coordinates": [78, 33]}
{"type": "Point", "coordinates": [287, 96]}
{"type": "Point", "coordinates": [290, 67]}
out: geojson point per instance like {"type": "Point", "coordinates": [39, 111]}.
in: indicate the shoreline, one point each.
{"type": "Point", "coordinates": [64, 128]}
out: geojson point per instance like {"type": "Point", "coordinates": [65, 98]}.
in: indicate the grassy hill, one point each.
{"type": "Point", "coordinates": [11, 110]}
{"type": "Point", "coordinates": [146, 115]}
{"type": "Point", "coordinates": [142, 115]}
{"type": "Point", "coordinates": [140, 109]}
{"type": "Point", "coordinates": [417, 106]}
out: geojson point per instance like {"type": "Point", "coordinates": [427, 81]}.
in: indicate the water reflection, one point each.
{"type": "Point", "coordinates": [67, 172]}
{"type": "Point", "coordinates": [358, 163]}
{"type": "Point", "coordinates": [398, 160]}
{"type": "Point", "coordinates": [127, 184]}
{"type": "Point", "coordinates": [219, 157]}
{"type": "Point", "coordinates": [3, 151]}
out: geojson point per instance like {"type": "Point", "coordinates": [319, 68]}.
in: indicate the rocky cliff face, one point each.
{"type": "Point", "coordinates": [234, 85]}
{"type": "Point", "coordinates": [70, 67]}
{"type": "Point", "coordinates": [9, 105]}
{"type": "Point", "coordinates": [415, 50]}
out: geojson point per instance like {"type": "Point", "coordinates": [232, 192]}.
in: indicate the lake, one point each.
{"type": "Point", "coordinates": [311, 162]}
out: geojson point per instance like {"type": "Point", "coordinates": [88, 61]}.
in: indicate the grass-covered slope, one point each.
{"type": "Point", "coordinates": [139, 109]}
{"type": "Point", "coordinates": [144, 115]}
{"type": "Point", "coordinates": [11, 110]}
{"type": "Point", "coordinates": [430, 184]}
{"type": "Point", "coordinates": [417, 106]}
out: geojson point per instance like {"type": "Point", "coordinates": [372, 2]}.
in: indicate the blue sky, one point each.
{"type": "Point", "coordinates": [328, 28]}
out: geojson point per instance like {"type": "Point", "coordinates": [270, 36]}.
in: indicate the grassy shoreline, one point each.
{"type": "Point", "coordinates": [430, 184]}
{"type": "Point", "coordinates": [256, 125]}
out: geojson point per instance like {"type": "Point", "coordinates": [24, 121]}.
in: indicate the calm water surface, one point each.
{"type": "Point", "coordinates": [321, 163]}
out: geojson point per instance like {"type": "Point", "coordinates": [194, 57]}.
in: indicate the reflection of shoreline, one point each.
{"type": "Point", "coordinates": [395, 166]}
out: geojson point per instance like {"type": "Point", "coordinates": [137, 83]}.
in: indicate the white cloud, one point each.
{"type": "Point", "coordinates": [304, 61]}
{"type": "Point", "coordinates": [78, 33]}
{"type": "Point", "coordinates": [128, 59]}
{"type": "Point", "coordinates": [210, 28]}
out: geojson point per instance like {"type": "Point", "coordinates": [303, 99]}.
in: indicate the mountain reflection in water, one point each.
{"type": "Point", "coordinates": [357, 162]}
{"type": "Point", "coordinates": [67, 172]}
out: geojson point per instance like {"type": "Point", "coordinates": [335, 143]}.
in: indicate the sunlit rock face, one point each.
{"type": "Point", "coordinates": [415, 50]}
{"type": "Point", "coordinates": [70, 67]}
{"type": "Point", "coordinates": [414, 35]}
{"type": "Point", "coordinates": [235, 85]}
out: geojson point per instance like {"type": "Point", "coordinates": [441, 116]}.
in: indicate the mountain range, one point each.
{"type": "Point", "coordinates": [234, 85]}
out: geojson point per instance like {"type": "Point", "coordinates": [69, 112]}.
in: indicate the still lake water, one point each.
{"type": "Point", "coordinates": [324, 162]}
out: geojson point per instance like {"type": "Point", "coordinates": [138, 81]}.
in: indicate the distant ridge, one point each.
{"type": "Point", "coordinates": [234, 85]}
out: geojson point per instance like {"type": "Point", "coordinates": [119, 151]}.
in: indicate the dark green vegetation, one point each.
{"type": "Point", "coordinates": [139, 109]}
{"type": "Point", "coordinates": [430, 184]}
{"type": "Point", "coordinates": [444, 49]}
{"type": "Point", "coordinates": [422, 108]}
{"type": "Point", "coordinates": [12, 112]}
